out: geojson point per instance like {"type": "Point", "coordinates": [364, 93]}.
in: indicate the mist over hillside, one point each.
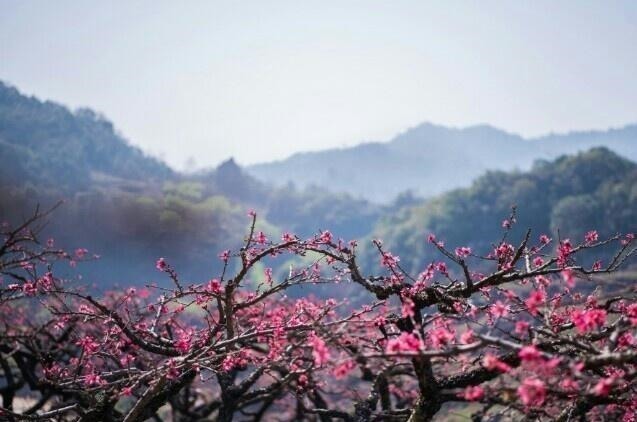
{"type": "Point", "coordinates": [131, 208]}
{"type": "Point", "coordinates": [430, 159]}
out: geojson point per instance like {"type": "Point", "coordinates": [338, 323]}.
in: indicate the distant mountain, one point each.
{"type": "Point", "coordinates": [47, 144]}
{"type": "Point", "coordinates": [131, 208]}
{"type": "Point", "coordinates": [430, 159]}
{"type": "Point", "coordinates": [621, 140]}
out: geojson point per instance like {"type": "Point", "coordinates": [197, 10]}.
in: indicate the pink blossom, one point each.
{"type": "Point", "coordinates": [428, 274]}
{"type": "Point", "coordinates": [89, 344]}
{"type": "Point", "coordinates": [569, 278]}
{"type": "Point", "coordinates": [214, 286]}
{"type": "Point", "coordinates": [80, 253]}
{"type": "Point", "coordinates": [504, 250]}
{"type": "Point", "coordinates": [473, 393]}
{"type": "Point", "coordinates": [224, 255]}
{"type": "Point", "coordinates": [587, 320]}
{"type": "Point", "coordinates": [261, 238]}
{"type": "Point", "coordinates": [591, 237]}
{"type": "Point", "coordinates": [631, 312]}
{"type": "Point", "coordinates": [326, 237]}
{"type": "Point", "coordinates": [126, 359]}
{"type": "Point", "coordinates": [626, 339]}
{"type": "Point", "coordinates": [183, 343]}
{"type": "Point", "coordinates": [229, 363]}
{"type": "Point", "coordinates": [492, 363]}
{"type": "Point", "coordinates": [46, 281]}
{"type": "Point", "coordinates": [442, 268]}
{"type": "Point", "coordinates": [343, 369]}
{"type": "Point", "coordinates": [529, 354]}
{"type": "Point", "coordinates": [29, 289]}
{"type": "Point", "coordinates": [532, 392]}
{"type": "Point", "coordinates": [467, 337]}
{"type": "Point", "coordinates": [93, 379]}
{"type": "Point", "coordinates": [405, 342]}
{"type": "Point", "coordinates": [161, 264]}
{"type": "Point", "coordinates": [320, 352]}
{"type": "Point", "coordinates": [535, 300]}
{"type": "Point", "coordinates": [569, 384]}
{"type": "Point", "coordinates": [288, 237]}
{"type": "Point", "coordinates": [499, 309]}
{"type": "Point", "coordinates": [441, 337]}
{"type": "Point", "coordinates": [604, 387]}
{"type": "Point", "coordinates": [388, 260]}
{"type": "Point", "coordinates": [303, 380]}
{"type": "Point", "coordinates": [407, 308]}
{"type": "Point", "coordinates": [521, 327]}
{"type": "Point", "coordinates": [463, 252]}
{"type": "Point", "coordinates": [85, 309]}
{"type": "Point", "coordinates": [564, 251]}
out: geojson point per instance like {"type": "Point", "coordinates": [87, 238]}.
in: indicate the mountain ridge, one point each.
{"type": "Point", "coordinates": [427, 152]}
{"type": "Point", "coordinates": [426, 159]}
{"type": "Point", "coordinates": [46, 140]}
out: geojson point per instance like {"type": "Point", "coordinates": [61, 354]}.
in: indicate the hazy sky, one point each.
{"type": "Point", "coordinates": [261, 80]}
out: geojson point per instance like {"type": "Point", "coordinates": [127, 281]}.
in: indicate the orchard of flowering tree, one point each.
{"type": "Point", "coordinates": [516, 332]}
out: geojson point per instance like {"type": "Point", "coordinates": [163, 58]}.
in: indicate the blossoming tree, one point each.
{"type": "Point", "coordinates": [516, 331]}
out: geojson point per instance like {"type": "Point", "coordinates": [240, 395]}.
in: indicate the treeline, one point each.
{"type": "Point", "coordinates": [596, 189]}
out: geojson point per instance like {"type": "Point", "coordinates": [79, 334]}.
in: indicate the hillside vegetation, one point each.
{"type": "Point", "coordinates": [131, 208]}
{"type": "Point", "coordinates": [596, 189]}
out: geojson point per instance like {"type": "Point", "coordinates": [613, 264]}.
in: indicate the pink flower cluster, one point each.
{"type": "Point", "coordinates": [463, 251]}
{"type": "Point", "coordinates": [405, 342]}
{"type": "Point", "coordinates": [532, 392]}
{"type": "Point", "coordinates": [389, 261]}
{"type": "Point", "coordinates": [588, 320]}
{"type": "Point", "coordinates": [492, 363]}
{"type": "Point", "coordinates": [535, 300]}
{"type": "Point", "coordinates": [320, 352]}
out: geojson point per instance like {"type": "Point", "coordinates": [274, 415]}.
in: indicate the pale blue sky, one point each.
{"type": "Point", "coordinates": [260, 80]}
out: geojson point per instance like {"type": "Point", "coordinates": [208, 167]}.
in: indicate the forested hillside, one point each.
{"type": "Point", "coordinates": [594, 190]}
{"type": "Point", "coordinates": [48, 145]}
{"type": "Point", "coordinates": [131, 208]}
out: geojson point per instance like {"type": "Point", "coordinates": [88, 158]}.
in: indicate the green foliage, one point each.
{"type": "Point", "coordinates": [591, 190]}
{"type": "Point", "coordinates": [187, 190]}
{"type": "Point", "coordinates": [304, 212]}
{"type": "Point", "coordinates": [46, 143]}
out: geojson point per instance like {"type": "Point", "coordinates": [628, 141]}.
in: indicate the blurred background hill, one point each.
{"type": "Point", "coordinates": [430, 159]}
{"type": "Point", "coordinates": [131, 208]}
